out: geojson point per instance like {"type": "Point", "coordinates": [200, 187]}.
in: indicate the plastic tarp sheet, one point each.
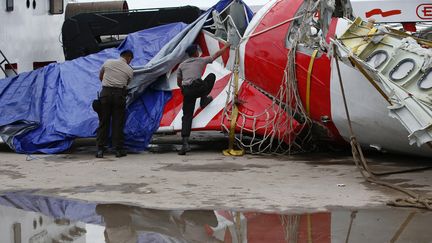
{"type": "Point", "coordinates": [174, 52]}
{"type": "Point", "coordinates": [44, 110]}
{"type": "Point", "coordinates": [56, 208]}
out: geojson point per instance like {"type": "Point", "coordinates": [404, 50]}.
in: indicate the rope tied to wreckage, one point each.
{"type": "Point", "coordinates": [290, 225]}
{"type": "Point", "coordinates": [415, 200]}
{"type": "Point", "coordinates": [352, 217]}
{"type": "Point", "coordinates": [271, 27]}
{"type": "Point", "coordinates": [285, 119]}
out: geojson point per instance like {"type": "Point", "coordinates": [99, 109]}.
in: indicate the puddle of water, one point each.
{"type": "Point", "coordinates": [36, 219]}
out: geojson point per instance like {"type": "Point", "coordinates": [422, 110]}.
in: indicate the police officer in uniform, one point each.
{"type": "Point", "coordinates": [115, 75]}
{"type": "Point", "coordinates": [193, 87]}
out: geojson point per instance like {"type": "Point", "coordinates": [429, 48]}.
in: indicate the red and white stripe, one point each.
{"type": "Point", "coordinates": [210, 118]}
{"type": "Point", "coordinates": [202, 117]}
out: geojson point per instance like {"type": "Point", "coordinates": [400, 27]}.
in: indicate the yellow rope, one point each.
{"type": "Point", "coordinates": [231, 151]}
{"type": "Point", "coordinates": [238, 227]}
{"type": "Point", "coordinates": [308, 81]}
{"type": "Point", "coordinates": [309, 228]}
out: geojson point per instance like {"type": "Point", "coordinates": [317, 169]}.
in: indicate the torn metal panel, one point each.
{"type": "Point", "coordinates": [401, 67]}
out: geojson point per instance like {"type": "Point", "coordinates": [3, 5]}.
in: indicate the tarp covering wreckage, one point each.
{"type": "Point", "coordinates": [46, 109]}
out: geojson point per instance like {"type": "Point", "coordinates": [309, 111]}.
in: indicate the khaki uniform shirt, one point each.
{"type": "Point", "coordinates": [117, 73]}
{"type": "Point", "coordinates": [191, 69]}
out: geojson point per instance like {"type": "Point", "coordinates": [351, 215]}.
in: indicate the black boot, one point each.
{"type": "Point", "coordinates": [120, 153]}
{"type": "Point", "coordinates": [205, 101]}
{"type": "Point", "coordinates": [100, 153]}
{"type": "Point", "coordinates": [185, 147]}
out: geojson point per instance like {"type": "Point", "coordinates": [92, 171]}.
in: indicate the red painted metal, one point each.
{"type": "Point", "coordinates": [263, 227]}
{"type": "Point", "coordinates": [266, 58]}
{"type": "Point", "coordinates": [378, 11]}
{"type": "Point", "coordinates": [264, 63]}
{"type": "Point", "coordinates": [320, 103]}
{"type": "Point", "coordinates": [172, 108]}
{"type": "Point", "coordinates": [266, 55]}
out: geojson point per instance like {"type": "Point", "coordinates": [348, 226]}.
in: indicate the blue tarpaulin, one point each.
{"type": "Point", "coordinates": [44, 110]}
{"type": "Point", "coordinates": [56, 208]}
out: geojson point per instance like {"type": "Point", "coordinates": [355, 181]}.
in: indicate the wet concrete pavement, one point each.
{"type": "Point", "coordinates": [31, 218]}
{"type": "Point", "coordinates": [205, 179]}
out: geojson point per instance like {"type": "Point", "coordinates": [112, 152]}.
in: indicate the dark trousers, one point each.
{"type": "Point", "coordinates": [198, 89]}
{"type": "Point", "coordinates": [112, 111]}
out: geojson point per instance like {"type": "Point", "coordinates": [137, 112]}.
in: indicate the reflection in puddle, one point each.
{"type": "Point", "coordinates": [37, 219]}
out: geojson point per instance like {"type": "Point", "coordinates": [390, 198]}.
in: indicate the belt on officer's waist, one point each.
{"type": "Point", "coordinates": [113, 91]}
{"type": "Point", "coordinates": [193, 82]}
{"type": "Point", "coordinates": [113, 88]}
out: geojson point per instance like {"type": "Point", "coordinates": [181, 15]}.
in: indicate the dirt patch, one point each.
{"type": "Point", "coordinates": [138, 188]}
{"type": "Point", "coordinates": [12, 174]}
{"type": "Point", "coordinates": [257, 166]}
{"type": "Point", "coordinates": [408, 185]}
{"type": "Point", "coordinates": [214, 167]}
